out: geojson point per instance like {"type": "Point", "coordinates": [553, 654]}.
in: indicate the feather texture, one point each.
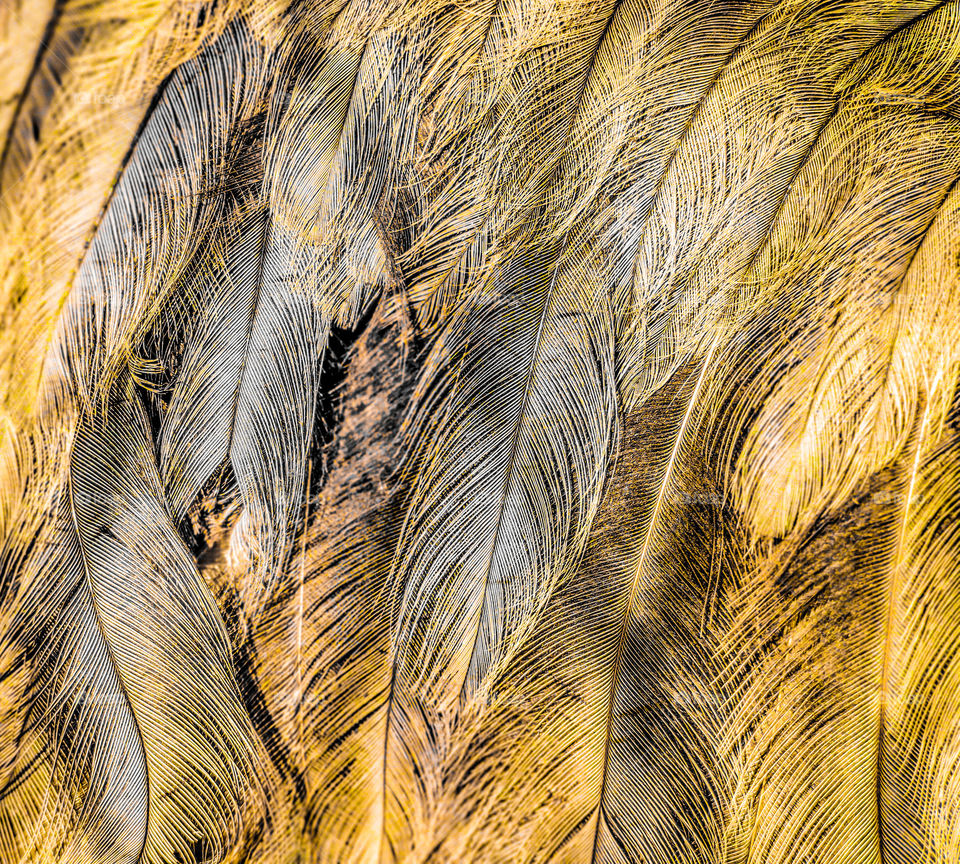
{"type": "Point", "coordinates": [300, 251]}
{"type": "Point", "coordinates": [498, 431]}
{"type": "Point", "coordinates": [141, 733]}
{"type": "Point", "coordinates": [93, 73]}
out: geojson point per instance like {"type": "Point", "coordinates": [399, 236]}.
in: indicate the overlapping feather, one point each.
{"type": "Point", "coordinates": [557, 398]}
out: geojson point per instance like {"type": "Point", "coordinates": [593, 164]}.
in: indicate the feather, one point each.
{"type": "Point", "coordinates": [889, 325]}
{"type": "Point", "coordinates": [320, 649]}
{"type": "Point", "coordinates": [517, 412]}
{"type": "Point", "coordinates": [678, 282]}
{"type": "Point", "coordinates": [134, 708]}
{"type": "Point", "coordinates": [91, 84]}
{"type": "Point", "coordinates": [918, 794]}
{"type": "Point", "coordinates": [144, 243]}
{"type": "Point", "coordinates": [837, 553]}
{"type": "Point", "coordinates": [301, 251]}
{"type": "Point", "coordinates": [137, 766]}
{"type": "Point", "coordinates": [25, 73]}
{"type": "Point", "coordinates": [494, 133]}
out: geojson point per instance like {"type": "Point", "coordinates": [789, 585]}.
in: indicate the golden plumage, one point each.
{"type": "Point", "coordinates": [506, 431]}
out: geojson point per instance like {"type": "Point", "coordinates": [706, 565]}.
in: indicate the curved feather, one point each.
{"type": "Point", "coordinates": [711, 209]}
{"type": "Point", "coordinates": [78, 114]}
{"type": "Point", "coordinates": [134, 705]}
{"type": "Point", "coordinates": [862, 372]}
{"type": "Point", "coordinates": [497, 120]}
{"type": "Point", "coordinates": [837, 631]}
{"type": "Point", "coordinates": [25, 72]}
{"type": "Point", "coordinates": [301, 250]}
{"type": "Point", "coordinates": [517, 409]}
{"type": "Point", "coordinates": [320, 649]}
{"type": "Point", "coordinates": [144, 243]}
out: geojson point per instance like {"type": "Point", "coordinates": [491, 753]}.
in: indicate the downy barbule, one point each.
{"type": "Point", "coordinates": [484, 431]}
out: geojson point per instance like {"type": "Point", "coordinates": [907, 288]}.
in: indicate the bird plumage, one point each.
{"type": "Point", "coordinates": [507, 431]}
